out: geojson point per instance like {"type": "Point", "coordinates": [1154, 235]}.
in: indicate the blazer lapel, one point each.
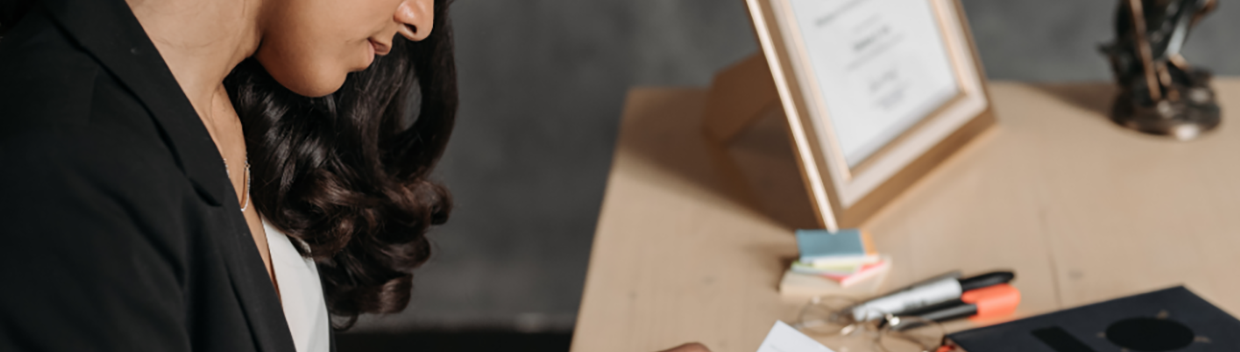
{"type": "Point", "coordinates": [108, 30]}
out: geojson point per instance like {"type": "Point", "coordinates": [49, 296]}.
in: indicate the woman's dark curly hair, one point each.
{"type": "Point", "coordinates": [348, 173]}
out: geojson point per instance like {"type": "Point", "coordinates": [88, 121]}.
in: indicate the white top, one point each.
{"type": "Point", "coordinates": [301, 293]}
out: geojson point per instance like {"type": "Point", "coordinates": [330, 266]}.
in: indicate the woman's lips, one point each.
{"type": "Point", "coordinates": [378, 48]}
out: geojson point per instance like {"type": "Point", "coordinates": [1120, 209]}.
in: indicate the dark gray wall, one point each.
{"type": "Point", "coordinates": [542, 87]}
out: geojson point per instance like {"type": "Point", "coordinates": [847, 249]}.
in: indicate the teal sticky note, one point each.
{"type": "Point", "coordinates": [819, 245]}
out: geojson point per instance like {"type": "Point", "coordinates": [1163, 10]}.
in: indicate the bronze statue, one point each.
{"type": "Point", "coordinates": [1160, 93]}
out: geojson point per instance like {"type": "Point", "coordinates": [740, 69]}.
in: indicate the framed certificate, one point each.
{"type": "Point", "coordinates": [876, 93]}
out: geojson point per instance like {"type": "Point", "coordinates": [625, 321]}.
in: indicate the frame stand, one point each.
{"type": "Point", "coordinates": [744, 118]}
{"type": "Point", "coordinates": [739, 95]}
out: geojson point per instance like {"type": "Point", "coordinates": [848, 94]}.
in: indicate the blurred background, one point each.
{"type": "Point", "coordinates": [542, 88]}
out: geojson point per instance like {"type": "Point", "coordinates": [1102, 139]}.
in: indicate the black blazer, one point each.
{"type": "Point", "coordinates": [119, 230]}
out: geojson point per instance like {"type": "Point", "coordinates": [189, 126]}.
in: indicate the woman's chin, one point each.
{"type": "Point", "coordinates": [318, 92]}
{"type": "Point", "coordinates": [316, 88]}
{"type": "Point", "coordinates": [312, 83]}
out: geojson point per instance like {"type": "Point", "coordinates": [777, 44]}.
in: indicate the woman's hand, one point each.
{"type": "Point", "coordinates": [689, 347]}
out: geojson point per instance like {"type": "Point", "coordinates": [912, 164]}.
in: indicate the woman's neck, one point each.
{"type": "Point", "coordinates": [201, 42]}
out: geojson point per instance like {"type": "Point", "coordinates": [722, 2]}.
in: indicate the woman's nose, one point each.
{"type": "Point", "coordinates": [417, 18]}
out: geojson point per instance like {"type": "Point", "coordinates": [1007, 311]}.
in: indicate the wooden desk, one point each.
{"type": "Point", "coordinates": [693, 237]}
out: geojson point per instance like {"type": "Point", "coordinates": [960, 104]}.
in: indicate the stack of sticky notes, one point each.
{"type": "Point", "coordinates": [835, 261]}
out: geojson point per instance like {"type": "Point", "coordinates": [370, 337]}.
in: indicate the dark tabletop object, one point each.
{"type": "Point", "coordinates": [1160, 92]}
{"type": "Point", "coordinates": [1173, 319]}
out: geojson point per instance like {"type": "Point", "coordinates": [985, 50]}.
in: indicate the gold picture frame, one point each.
{"type": "Point", "coordinates": [841, 194]}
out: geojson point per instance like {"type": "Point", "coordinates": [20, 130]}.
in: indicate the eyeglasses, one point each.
{"type": "Point", "coordinates": [832, 320]}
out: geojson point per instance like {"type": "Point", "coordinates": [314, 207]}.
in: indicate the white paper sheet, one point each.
{"type": "Point", "coordinates": [880, 65]}
{"type": "Point", "coordinates": [784, 338]}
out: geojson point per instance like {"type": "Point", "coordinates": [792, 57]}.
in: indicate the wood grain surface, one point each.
{"type": "Point", "coordinates": [693, 236]}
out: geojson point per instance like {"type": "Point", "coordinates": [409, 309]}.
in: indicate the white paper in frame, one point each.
{"type": "Point", "coordinates": [848, 183]}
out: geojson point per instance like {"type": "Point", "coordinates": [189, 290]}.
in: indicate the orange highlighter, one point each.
{"type": "Point", "coordinates": [983, 303]}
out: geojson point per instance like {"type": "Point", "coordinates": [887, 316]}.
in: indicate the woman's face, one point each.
{"type": "Point", "coordinates": [309, 46]}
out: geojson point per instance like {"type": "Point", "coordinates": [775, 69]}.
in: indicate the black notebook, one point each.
{"type": "Point", "coordinates": [1173, 319]}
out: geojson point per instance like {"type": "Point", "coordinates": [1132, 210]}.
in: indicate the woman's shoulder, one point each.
{"type": "Point", "coordinates": [63, 117]}
{"type": "Point", "coordinates": [49, 83]}
{"type": "Point", "coordinates": [56, 96]}
{"type": "Point", "coordinates": [45, 79]}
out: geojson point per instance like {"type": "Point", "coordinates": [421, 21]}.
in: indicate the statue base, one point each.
{"type": "Point", "coordinates": [1187, 117]}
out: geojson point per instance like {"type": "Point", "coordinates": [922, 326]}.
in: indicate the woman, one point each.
{"type": "Point", "coordinates": [216, 175]}
{"type": "Point", "coordinates": [142, 200]}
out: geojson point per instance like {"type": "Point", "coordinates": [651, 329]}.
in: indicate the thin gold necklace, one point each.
{"type": "Point", "coordinates": [246, 195]}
